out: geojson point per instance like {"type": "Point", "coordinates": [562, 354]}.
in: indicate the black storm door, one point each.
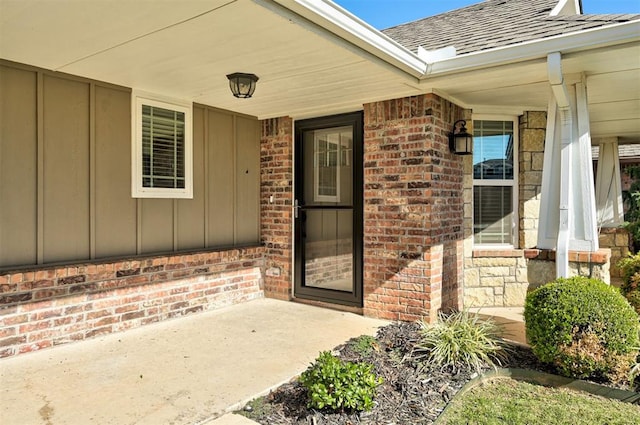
{"type": "Point", "coordinates": [328, 209]}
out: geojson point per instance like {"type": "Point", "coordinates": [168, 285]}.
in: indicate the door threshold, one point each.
{"type": "Point", "coordinates": [338, 307]}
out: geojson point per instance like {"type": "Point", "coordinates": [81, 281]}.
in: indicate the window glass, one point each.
{"type": "Point", "coordinates": [163, 149]}
{"type": "Point", "coordinates": [326, 150]}
{"type": "Point", "coordinates": [492, 214]}
{"type": "Point", "coordinates": [494, 182]}
{"type": "Point", "coordinates": [332, 150]}
{"type": "Point", "coordinates": [163, 143]}
{"type": "Point", "coordinates": [493, 150]}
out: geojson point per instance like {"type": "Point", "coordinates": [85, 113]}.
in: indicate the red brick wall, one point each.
{"type": "Point", "coordinates": [50, 306]}
{"type": "Point", "coordinates": [413, 209]}
{"type": "Point", "coordinates": [276, 200]}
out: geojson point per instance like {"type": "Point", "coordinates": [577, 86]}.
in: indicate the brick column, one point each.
{"type": "Point", "coordinates": [276, 200]}
{"type": "Point", "coordinates": [413, 209]}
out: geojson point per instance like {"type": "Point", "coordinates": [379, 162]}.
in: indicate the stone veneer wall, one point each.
{"type": "Point", "coordinates": [47, 306]}
{"type": "Point", "coordinates": [495, 278]}
{"type": "Point", "coordinates": [532, 130]}
{"type": "Point", "coordinates": [276, 202]}
{"type": "Point", "coordinates": [413, 209]}
{"type": "Point", "coordinates": [541, 266]}
{"type": "Point", "coordinates": [503, 278]}
{"type": "Point", "coordinates": [617, 240]}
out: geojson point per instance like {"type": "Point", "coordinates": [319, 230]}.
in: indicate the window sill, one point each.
{"type": "Point", "coordinates": [500, 252]}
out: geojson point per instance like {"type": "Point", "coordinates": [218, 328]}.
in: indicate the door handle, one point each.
{"type": "Point", "coordinates": [296, 207]}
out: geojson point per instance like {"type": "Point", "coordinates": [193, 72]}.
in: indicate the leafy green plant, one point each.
{"type": "Point", "coordinates": [364, 345]}
{"type": "Point", "coordinates": [629, 267]}
{"type": "Point", "coordinates": [634, 299]}
{"type": "Point", "coordinates": [583, 326]}
{"type": "Point", "coordinates": [631, 199]}
{"type": "Point", "coordinates": [460, 339]}
{"type": "Point", "coordinates": [630, 270]}
{"type": "Point", "coordinates": [338, 385]}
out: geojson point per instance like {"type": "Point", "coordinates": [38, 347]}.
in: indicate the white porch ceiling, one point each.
{"type": "Point", "coordinates": [184, 49]}
{"type": "Point", "coordinates": [612, 78]}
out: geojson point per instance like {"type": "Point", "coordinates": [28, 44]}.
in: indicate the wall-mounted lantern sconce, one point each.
{"type": "Point", "coordinates": [460, 143]}
{"type": "Point", "coordinates": [242, 85]}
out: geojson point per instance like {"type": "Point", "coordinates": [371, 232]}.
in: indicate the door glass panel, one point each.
{"type": "Point", "coordinates": [328, 166]}
{"type": "Point", "coordinates": [328, 249]}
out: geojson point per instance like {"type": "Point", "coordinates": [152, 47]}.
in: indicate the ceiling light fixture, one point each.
{"type": "Point", "coordinates": [242, 85]}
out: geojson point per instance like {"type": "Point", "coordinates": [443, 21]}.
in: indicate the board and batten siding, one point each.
{"type": "Point", "coordinates": [65, 176]}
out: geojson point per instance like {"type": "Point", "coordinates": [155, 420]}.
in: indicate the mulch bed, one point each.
{"type": "Point", "coordinates": [411, 393]}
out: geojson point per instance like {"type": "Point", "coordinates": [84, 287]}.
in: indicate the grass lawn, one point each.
{"type": "Point", "coordinates": [507, 401]}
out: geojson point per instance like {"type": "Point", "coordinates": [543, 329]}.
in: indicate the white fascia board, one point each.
{"type": "Point", "coordinates": [339, 21]}
{"type": "Point", "coordinates": [583, 40]}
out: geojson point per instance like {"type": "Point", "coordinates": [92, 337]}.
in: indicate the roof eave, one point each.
{"type": "Point", "coordinates": [355, 31]}
{"type": "Point", "coordinates": [530, 50]}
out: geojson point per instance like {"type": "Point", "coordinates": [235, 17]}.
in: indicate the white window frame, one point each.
{"type": "Point", "coordinates": [138, 99]}
{"type": "Point", "coordinates": [501, 183]}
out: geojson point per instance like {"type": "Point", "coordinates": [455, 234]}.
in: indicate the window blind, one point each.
{"type": "Point", "coordinates": [492, 210]}
{"type": "Point", "coordinates": [163, 148]}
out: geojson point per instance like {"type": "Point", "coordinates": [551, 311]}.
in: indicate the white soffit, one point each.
{"type": "Point", "coordinates": [59, 32]}
{"type": "Point", "coordinates": [184, 49]}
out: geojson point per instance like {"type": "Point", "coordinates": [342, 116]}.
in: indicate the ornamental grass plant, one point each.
{"type": "Point", "coordinates": [460, 339]}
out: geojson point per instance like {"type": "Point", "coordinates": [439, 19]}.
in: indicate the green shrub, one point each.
{"type": "Point", "coordinates": [583, 326]}
{"type": "Point", "coordinates": [460, 339]}
{"type": "Point", "coordinates": [338, 385]}
{"type": "Point", "coordinates": [630, 270]}
{"type": "Point", "coordinates": [631, 198]}
{"type": "Point", "coordinates": [634, 299]}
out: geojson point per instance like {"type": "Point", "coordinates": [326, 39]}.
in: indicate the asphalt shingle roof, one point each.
{"type": "Point", "coordinates": [495, 23]}
{"type": "Point", "coordinates": [624, 152]}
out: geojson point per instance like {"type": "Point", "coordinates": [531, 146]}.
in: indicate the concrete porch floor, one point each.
{"type": "Point", "coordinates": [183, 371]}
{"type": "Point", "coordinates": [190, 370]}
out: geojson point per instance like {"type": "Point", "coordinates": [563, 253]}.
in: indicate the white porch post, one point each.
{"type": "Point", "coordinates": [610, 211]}
{"type": "Point", "coordinates": [567, 207]}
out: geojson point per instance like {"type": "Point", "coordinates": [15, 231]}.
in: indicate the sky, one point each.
{"type": "Point", "coordinates": [387, 13]}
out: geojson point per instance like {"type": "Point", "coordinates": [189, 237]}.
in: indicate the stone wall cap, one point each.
{"type": "Point", "coordinates": [602, 256]}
